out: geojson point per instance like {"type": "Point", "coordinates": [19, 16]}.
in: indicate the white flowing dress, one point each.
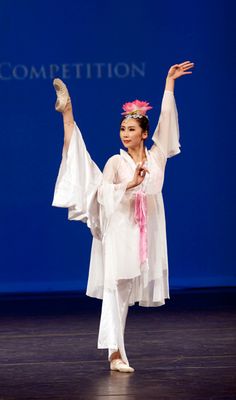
{"type": "Point", "coordinates": [101, 200]}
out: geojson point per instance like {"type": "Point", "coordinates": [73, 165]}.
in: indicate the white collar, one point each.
{"type": "Point", "coordinates": [129, 159]}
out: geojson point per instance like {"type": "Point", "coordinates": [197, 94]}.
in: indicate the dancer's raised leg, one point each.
{"type": "Point", "coordinates": [64, 105]}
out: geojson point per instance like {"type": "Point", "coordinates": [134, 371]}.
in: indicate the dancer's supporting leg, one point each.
{"type": "Point", "coordinates": [113, 318]}
{"type": "Point", "coordinates": [124, 287]}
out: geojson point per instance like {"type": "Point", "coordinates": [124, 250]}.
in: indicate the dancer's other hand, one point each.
{"type": "Point", "coordinates": [139, 175]}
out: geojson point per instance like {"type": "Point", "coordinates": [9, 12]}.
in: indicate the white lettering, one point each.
{"type": "Point", "coordinates": [37, 74]}
{"type": "Point", "coordinates": [96, 70]}
{"type": "Point", "coordinates": [3, 69]}
{"type": "Point", "coordinates": [109, 67]}
{"type": "Point", "coordinates": [65, 71]}
{"type": "Point", "coordinates": [89, 72]}
{"type": "Point", "coordinates": [118, 70]}
{"type": "Point", "coordinates": [139, 70]}
{"type": "Point", "coordinates": [20, 71]}
{"type": "Point", "coordinates": [78, 70]}
{"type": "Point", "coordinates": [53, 69]}
{"type": "Point", "coordinates": [99, 69]}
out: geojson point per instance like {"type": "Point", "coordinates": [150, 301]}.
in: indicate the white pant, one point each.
{"type": "Point", "coordinates": [113, 318]}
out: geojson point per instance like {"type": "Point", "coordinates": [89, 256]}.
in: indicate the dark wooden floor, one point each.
{"type": "Point", "coordinates": [184, 350]}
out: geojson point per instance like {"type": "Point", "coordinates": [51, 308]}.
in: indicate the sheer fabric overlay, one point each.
{"type": "Point", "coordinates": [102, 200]}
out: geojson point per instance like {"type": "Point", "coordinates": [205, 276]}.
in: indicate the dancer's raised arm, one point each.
{"type": "Point", "coordinates": [166, 135]}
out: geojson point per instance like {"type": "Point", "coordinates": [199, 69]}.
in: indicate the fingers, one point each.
{"type": "Point", "coordinates": [185, 63]}
{"type": "Point", "coordinates": [141, 167]}
{"type": "Point", "coordinates": [142, 163]}
{"type": "Point", "coordinates": [188, 67]}
{"type": "Point", "coordinates": [141, 170]}
{"type": "Point", "coordinates": [183, 66]}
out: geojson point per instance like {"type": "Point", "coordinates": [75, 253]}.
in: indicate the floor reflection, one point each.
{"type": "Point", "coordinates": [114, 383]}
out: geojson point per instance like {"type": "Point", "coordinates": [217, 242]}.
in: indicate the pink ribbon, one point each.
{"type": "Point", "coordinates": [140, 216]}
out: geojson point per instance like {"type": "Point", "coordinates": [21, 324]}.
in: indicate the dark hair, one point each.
{"type": "Point", "coordinates": [143, 123]}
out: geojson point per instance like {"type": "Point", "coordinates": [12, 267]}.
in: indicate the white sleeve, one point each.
{"type": "Point", "coordinates": [77, 182]}
{"type": "Point", "coordinates": [110, 193]}
{"type": "Point", "coordinates": [166, 135]}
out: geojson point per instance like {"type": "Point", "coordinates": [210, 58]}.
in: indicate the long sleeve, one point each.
{"type": "Point", "coordinates": [110, 193]}
{"type": "Point", "coordinates": [166, 134]}
{"type": "Point", "coordinates": [77, 182]}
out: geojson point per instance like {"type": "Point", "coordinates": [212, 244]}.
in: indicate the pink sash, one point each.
{"type": "Point", "coordinates": [140, 216]}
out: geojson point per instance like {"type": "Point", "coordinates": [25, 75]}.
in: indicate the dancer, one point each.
{"type": "Point", "coordinates": [123, 207]}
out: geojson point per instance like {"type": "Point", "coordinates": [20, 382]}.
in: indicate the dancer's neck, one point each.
{"type": "Point", "coordinates": [137, 154]}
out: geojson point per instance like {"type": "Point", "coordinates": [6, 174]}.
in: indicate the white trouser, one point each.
{"type": "Point", "coordinates": [113, 318]}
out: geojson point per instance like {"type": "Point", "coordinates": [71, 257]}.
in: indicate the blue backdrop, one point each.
{"type": "Point", "coordinates": [109, 53]}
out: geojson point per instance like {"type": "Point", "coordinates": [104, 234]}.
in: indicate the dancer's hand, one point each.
{"type": "Point", "coordinates": [139, 175]}
{"type": "Point", "coordinates": [178, 70]}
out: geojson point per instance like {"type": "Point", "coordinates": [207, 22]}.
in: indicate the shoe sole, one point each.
{"type": "Point", "coordinates": [124, 369]}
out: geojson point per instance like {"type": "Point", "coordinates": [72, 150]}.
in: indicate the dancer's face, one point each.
{"type": "Point", "coordinates": [131, 133]}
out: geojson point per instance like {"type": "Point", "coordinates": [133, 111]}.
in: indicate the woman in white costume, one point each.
{"type": "Point", "coordinates": [123, 207]}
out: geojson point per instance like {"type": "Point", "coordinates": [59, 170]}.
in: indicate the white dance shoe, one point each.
{"type": "Point", "coordinates": [63, 97]}
{"type": "Point", "coordinates": [118, 365]}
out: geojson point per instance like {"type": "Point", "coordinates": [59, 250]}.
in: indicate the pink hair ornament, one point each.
{"type": "Point", "coordinates": [136, 109]}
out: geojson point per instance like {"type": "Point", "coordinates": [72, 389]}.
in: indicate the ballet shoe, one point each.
{"type": "Point", "coordinates": [63, 97]}
{"type": "Point", "coordinates": [118, 365]}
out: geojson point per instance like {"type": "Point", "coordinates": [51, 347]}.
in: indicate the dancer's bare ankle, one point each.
{"type": "Point", "coordinates": [115, 355]}
{"type": "Point", "coordinates": [68, 107]}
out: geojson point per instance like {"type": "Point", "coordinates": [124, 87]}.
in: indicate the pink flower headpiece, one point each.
{"type": "Point", "coordinates": [136, 109]}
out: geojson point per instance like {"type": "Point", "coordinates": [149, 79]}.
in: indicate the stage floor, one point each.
{"type": "Point", "coordinates": [184, 350]}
